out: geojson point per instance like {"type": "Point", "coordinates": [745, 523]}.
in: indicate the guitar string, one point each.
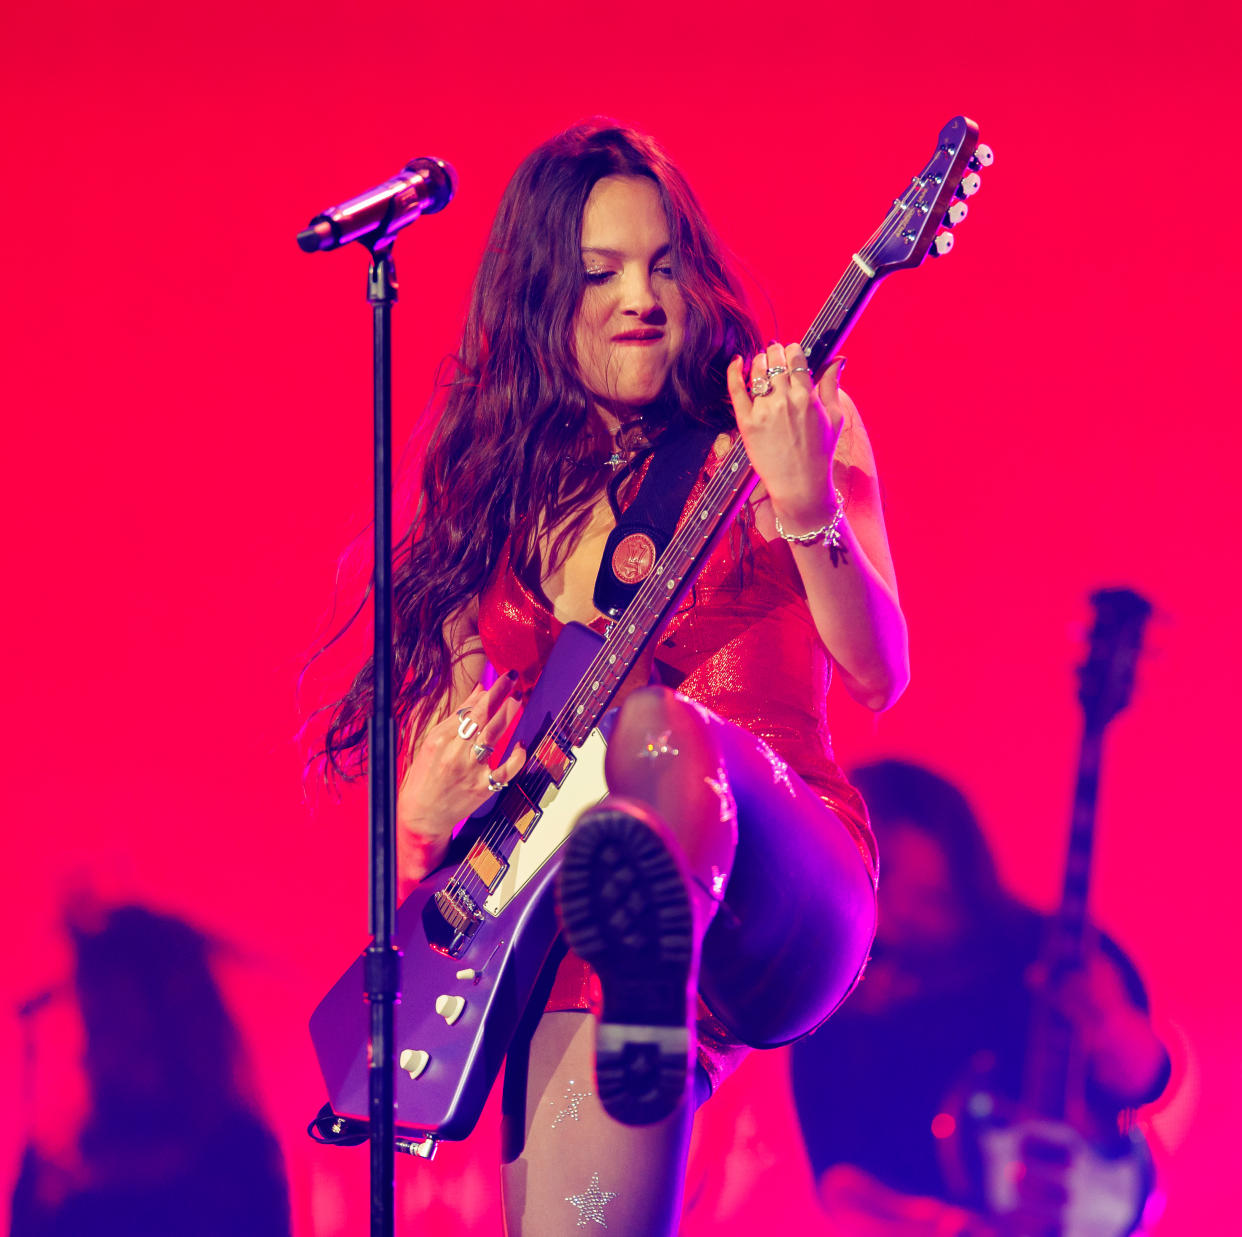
{"type": "Point", "coordinates": [838, 305]}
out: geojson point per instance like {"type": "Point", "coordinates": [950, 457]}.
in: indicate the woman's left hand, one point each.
{"type": "Point", "coordinates": [791, 433]}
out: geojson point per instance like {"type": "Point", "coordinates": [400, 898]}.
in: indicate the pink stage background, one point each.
{"type": "Point", "coordinates": [1054, 408]}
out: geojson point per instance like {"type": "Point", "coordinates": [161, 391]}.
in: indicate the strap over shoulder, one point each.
{"type": "Point", "coordinates": [647, 525]}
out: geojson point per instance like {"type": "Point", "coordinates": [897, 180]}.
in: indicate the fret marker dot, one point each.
{"type": "Point", "coordinates": [595, 686]}
{"type": "Point", "coordinates": [672, 584]}
{"type": "Point", "coordinates": [611, 658]}
{"type": "Point", "coordinates": [632, 629]}
{"type": "Point", "coordinates": [579, 709]}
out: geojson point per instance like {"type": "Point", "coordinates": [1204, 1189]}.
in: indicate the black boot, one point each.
{"type": "Point", "coordinates": [625, 906]}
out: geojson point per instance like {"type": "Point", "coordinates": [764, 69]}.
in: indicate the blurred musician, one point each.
{"type": "Point", "coordinates": [949, 990]}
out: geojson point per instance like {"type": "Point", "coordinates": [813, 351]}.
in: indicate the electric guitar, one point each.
{"type": "Point", "coordinates": [1106, 1173]}
{"type": "Point", "coordinates": [477, 933]}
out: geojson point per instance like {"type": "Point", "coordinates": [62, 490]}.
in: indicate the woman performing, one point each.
{"type": "Point", "coordinates": [604, 319]}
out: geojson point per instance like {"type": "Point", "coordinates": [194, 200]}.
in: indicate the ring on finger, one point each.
{"type": "Point", "coordinates": [467, 725]}
{"type": "Point", "coordinates": [800, 369]}
{"type": "Point", "coordinates": [494, 785]}
{"type": "Point", "coordinates": [481, 751]}
{"type": "Point", "coordinates": [760, 386]}
{"type": "Point", "coordinates": [776, 369]}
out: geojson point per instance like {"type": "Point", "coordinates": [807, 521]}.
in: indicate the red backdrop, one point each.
{"type": "Point", "coordinates": [187, 455]}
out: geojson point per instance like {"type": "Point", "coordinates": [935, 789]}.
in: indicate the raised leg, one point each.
{"type": "Point", "coordinates": [799, 915]}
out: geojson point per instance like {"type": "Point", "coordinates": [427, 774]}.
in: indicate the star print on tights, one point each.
{"type": "Point", "coordinates": [571, 1101]}
{"type": "Point", "coordinates": [591, 1203]}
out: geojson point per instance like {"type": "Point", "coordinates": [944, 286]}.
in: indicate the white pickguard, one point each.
{"type": "Point", "coordinates": [583, 787]}
{"type": "Point", "coordinates": [1105, 1195]}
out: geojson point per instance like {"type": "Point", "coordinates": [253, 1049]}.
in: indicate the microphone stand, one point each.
{"type": "Point", "coordinates": [383, 958]}
{"type": "Point", "coordinates": [424, 186]}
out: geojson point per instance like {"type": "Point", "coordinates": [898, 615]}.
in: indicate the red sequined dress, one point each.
{"type": "Point", "coordinates": [743, 645]}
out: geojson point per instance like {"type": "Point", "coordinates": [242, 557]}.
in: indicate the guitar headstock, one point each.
{"type": "Point", "coordinates": [1106, 679]}
{"type": "Point", "coordinates": [934, 199]}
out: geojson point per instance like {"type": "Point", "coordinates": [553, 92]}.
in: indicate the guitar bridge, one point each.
{"type": "Point", "coordinates": [450, 920]}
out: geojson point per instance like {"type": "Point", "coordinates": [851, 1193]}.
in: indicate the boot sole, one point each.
{"type": "Point", "coordinates": [626, 911]}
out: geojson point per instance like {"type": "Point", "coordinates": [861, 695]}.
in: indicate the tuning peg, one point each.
{"type": "Point", "coordinates": [941, 245]}
{"type": "Point", "coordinates": [955, 214]}
{"type": "Point", "coordinates": [969, 186]}
{"type": "Point", "coordinates": [982, 158]}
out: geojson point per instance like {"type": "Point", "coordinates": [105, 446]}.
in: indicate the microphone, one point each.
{"type": "Point", "coordinates": [422, 187]}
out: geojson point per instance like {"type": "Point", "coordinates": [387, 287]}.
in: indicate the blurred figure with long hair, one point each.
{"type": "Point", "coordinates": [170, 1145]}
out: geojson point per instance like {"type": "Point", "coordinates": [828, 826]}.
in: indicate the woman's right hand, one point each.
{"type": "Point", "coordinates": [446, 780]}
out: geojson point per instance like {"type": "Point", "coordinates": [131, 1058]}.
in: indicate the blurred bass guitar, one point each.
{"type": "Point", "coordinates": [1000, 1147]}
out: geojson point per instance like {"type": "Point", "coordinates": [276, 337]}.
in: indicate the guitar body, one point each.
{"type": "Point", "coordinates": [998, 1151]}
{"type": "Point", "coordinates": [501, 963]}
{"type": "Point", "coordinates": [1104, 1192]}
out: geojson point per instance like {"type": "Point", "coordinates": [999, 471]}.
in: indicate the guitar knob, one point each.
{"type": "Point", "coordinates": [969, 186]}
{"type": "Point", "coordinates": [955, 214]}
{"type": "Point", "coordinates": [468, 973]}
{"type": "Point", "coordinates": [982, 158]}
{"type": "Point", "coordinates": [414, 1061]}
{"type": "Point", "coordinates": [941, 245]}
{"type": "Point", "coordinates": [449, 1007]}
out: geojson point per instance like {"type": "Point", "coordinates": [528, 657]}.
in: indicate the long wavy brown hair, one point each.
{"type": "Point", "coordinates": [516, 449]}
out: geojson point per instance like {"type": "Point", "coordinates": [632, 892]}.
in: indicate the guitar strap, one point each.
{"type": "Point", "coordinates": [646, 526]}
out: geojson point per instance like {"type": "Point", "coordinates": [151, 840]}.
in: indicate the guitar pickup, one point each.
{"type": "Point", "coordinates": [556, 757]}
{"type": "Point", "coordinates": [518, 809]}
{"type": "Point", "coordinates": [486, 864]}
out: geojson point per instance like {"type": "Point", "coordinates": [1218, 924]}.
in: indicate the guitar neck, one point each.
{"type": "Point", "coordinates": [1069, 927]}
{"type": "Point", "coordinates": [839, 313]}
{"type": "Point", "coordinates": [1053, 1075]}
{"type": "Point", "coordinates": [1055, 1069]}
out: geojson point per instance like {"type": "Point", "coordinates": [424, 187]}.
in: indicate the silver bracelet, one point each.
{"type": "Point", "coordinates": [829, 535]}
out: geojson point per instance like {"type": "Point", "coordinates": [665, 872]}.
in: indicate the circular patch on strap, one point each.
{"type": "Point", "coordinates": [633, 558]}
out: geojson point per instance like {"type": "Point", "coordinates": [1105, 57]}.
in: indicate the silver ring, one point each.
{"type": "Point", "coordinates": [467, 726]}
{"type": "Point", "coordinates": [760, 386]}
{"type": "Point", "coordinates": [800, 369]}
{"type": "Point", "coordinates": [493, 785]}
{"type": "Point", "coordinates": [481, 751]}
{"type": "Point", "coordinates": [777, 369]}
